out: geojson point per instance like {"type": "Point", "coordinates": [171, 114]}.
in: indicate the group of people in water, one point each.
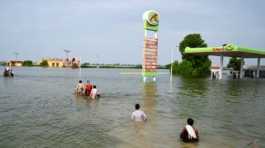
{"type": "Point", "coordinates": [188, 133]}
{"type": "Point", "coordinates": [86, 89]}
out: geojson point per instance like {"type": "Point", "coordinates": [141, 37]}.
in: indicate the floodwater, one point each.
{"type": "Point", "coordinates": [38, 109]}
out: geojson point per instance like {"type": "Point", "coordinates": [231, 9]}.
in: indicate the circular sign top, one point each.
{"type": "Point", "coordinates": [152, 17]}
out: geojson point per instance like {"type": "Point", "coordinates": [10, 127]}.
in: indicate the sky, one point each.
{"type": "Point", "coordinates": [111, 31]}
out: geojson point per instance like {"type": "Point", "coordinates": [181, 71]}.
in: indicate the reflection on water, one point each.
{"type": "Point", "coordinates": [38, 109]}
{"type": "Point", "coordinates": [193, 87]}
{"type": "Point", "coordinates": [149, 97]}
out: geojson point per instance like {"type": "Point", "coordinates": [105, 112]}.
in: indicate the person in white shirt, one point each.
{"type": "Point", "coordinates": [189, 133]}
{"type": "Point", "coordinates": [79, 88]}
{"type": "Point", "coordinates": [138, 115]}
{"type": "Point", "coordinates": [94, 92]}
{"type": "Point", "coordinates": [6, 68]}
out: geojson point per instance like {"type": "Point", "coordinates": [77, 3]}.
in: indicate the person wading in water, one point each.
{"type": "Point", "coordinates": [189, 133]}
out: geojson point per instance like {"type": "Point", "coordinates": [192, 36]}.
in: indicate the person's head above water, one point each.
{"type": "Point", "coordinates": [80, 81]}
{"type": "Point", "coordinates": [137, 106]}
{"type": "Point", "coordinates": [94, 86]}
{"type": "Point", "coordinates": [190, 121]}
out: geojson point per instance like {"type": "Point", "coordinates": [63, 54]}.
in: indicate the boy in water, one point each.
{"type": "Point", "coordinates": [138, 115]}
{"type": "Point", "coordinates": [79, 88]}
{"type": "Point", "coordinates": [189, 133]}
{"type": "Point", "coordinates": [94, 92]}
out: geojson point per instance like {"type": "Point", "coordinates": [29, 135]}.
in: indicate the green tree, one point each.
{"type": "Point", "coordinates": [44, 63]}
{"type": "Point", "coordinates": [139, 66]}
{"type": "Point", "coordinates": [193, 65]}
{"type": "Point", "coordinates": [192, 41]}
{"type": "Point", "coordinates": [184, 68]}
{"type": "Point", "coordinates": [27, 63]}
{"type": "Point", "coordinates": [174, 66]}
{"type": "Point", "coordinates": [235, 63]}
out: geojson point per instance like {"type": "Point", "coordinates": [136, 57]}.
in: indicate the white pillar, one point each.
{"type": "Point", "coordinates": [211, 74]}
{"type": "Point", "coordinates": [221, 66]}
{"type": "Point", "coordinates": [258, 67]}
{"type": "Point", "coordinates": [241, 68]}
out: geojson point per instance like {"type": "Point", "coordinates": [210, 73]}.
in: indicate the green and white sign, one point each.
{"type": "Point", "coordinates": [151, 20]}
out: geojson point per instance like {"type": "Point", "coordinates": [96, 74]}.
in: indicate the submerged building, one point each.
{"type": "Point", "coordinates": [16, 63]}
{"type": "Point", "coordinates": [60, 63]}
{"type": "Point", "coordinates": [252, 71]}
{"type": "Point", "coordinates": [72, 62]}
{"type": "Point", "coordinates": [54, 62]}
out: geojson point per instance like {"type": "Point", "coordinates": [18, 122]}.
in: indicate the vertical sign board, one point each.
{"type": "Point", "coordinates": [150, 57]}
{"type": "Point", "coordinates": [151, 21]}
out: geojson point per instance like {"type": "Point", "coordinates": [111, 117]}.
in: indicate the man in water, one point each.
{"type": "Point", "coordinates": [189, 133]}
{"type": "Point", "coordinates": [138, 115]}
{"type": "Point", "coordinates": [79, 88]}
{"type": "Point", "coordinates": [6, 68]}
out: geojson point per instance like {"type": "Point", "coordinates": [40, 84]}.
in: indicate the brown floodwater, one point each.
{"type": "Point", "coordinates": [38, 109]}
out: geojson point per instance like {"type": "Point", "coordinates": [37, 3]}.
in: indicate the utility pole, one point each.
{"type": "Point", "coordinates": [67, 53]}
{"type": "Point", "coordinates": [171, 64]}
{"type": "Point", "coordinates": [16, 55]}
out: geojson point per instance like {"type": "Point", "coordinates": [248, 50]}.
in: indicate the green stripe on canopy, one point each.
{"type": "Point", "coordinates": [228, 50]}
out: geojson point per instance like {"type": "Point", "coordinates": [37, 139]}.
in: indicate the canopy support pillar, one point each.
{"type": "Point", "coordinates": [221, 67]}
{"type": "Point", "coordinates": [241, 68]}
{"type": "Point", "coordinates": [258, 67]}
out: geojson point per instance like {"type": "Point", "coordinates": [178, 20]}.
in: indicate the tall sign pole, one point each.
{"type": "Point", "coordinates": [151, 24]}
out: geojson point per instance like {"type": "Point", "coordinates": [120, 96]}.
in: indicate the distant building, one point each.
{"type": "Point", "coordinates": [72, 62]}
{"type": "Point", "coordinates": [57, 62]}
{"type": "Point", "coordinates": [16, 63]}
{"type": "Point", "coordinates": [54, 62]}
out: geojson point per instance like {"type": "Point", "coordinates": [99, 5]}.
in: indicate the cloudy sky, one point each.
{"type": "Point", "coordinates": [111, 31]}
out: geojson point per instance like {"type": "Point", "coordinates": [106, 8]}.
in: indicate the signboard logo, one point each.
{"type": "Point", "coordinates": [151, 20]}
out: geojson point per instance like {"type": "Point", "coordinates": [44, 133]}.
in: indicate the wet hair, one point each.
{"type": "Point", "coordinates": [94, 86]}
{"type": "Point", "coordinates": [190, 121]}
{"type": "Point", "coordinates": [80, 81]}
{"type": "Point", "coordinates": [137, 106]}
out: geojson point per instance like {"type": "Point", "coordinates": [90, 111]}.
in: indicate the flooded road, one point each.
{"type": "Point", "coordinates": [38, 109]}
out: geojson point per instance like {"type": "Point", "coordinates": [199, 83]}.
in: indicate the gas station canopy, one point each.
{"type": "Point", "coordinates": [228, 50]}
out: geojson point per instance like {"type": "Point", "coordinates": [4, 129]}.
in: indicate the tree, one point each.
{"type": "Point", "coordinates": [192, 41]}
{"type": "Point", "coordinates": [235, 63]}
{"type": "Point", "coordinates": [193, 65]}
{"type": "Point", "coordinates": [174, 66]}
{"type": "Point", "coordinates": [44, 63]}
{"type": "Point", "coordinates": [139, 66]}
{"type": "Point", "coordinates": [27, 63]}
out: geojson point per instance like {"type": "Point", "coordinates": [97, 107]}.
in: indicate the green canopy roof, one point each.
{"type": "Point", "coordinates": [229, 50]}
